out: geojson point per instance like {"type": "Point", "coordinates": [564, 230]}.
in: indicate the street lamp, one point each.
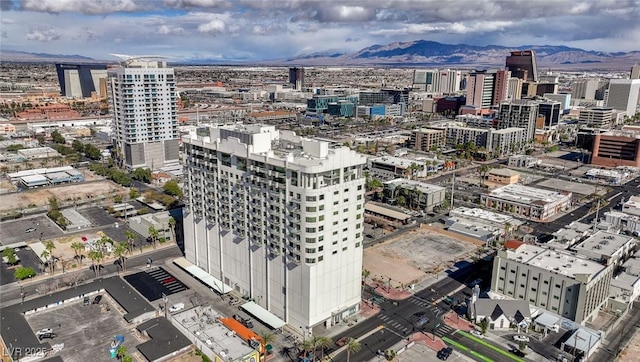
{"type": "Point", "coordinates": [165, 299]}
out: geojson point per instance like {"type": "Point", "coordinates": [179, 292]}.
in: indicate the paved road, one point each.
{"type": "Point", "coordinates": [398, 321]}
{"type": "Point", "coordinates": [10, 294]}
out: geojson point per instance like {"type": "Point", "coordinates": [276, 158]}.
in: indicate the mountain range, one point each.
{"type": "Point", "coordinates": [414, 53]}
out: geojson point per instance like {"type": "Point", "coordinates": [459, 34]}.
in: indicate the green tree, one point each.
{"type": "Point", "coordinates": [119, 252]}
{"type": "Point", "coordinates": [484, 324]}
{"type": "Point", "coordinates": [45, 255]}
{"type": "Point", "coordinates": [323, 343]}
{"type": "Point", "coordinates": [153, 234]}
{"type": "Point", "coordinates": [96, 256]}
{"type": "Point", "coordinates": [134, 193]}
{"type": "Point", "coordinates": [121, 352]}
{"type": "Point", "coordinates": [77, 146]}
{"type": "Point", "coordinates": [57, 137]}
{"type": "Point", "coordinates": [483, 172]}
{"type": "Point", "coordinates": [10, 255]}
{"type": "Point", "coordinates": [172, 188]}
{"type": "Point", "coordinates": [142, 174]}
{"type": "Point", "coordinates": [353, 346]}
{"type": "Point", "coordinates": [22, 273]}
{"type": "Point", "coordinates": [77, 249]}
{"type": "Point", "coordinates": [266, 338]}
{"type": "Point", "coordinates": [41, 139]}
{"type": "Point", "coordinates": [401, 200]}
{"type": "Point", "coordinates": [131, 236]}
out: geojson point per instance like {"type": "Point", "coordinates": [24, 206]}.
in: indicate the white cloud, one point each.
{"type": "Point", "coordinates": [43, 35]}
{"type": "Point", "coordinates": [173, 30]}
{"type": "Point", "coordinates": [214, 26]}
{"type": "Point", "coordinates": [188, 4]}
{"type": "Point", "coordinates": [85, 6]}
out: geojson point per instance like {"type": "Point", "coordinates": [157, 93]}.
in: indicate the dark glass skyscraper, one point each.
{"type": "Point", "coordinates": [296, 77]}
{"type": "Point", "coordinates": [522, 64]}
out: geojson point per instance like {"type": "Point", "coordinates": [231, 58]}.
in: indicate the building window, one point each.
{"type": "Point", "coordinates": [310, 219]}
{"type": "Point", "coordinates": [335, 232]}
{"type": "Point", "coordinates": [334, 252]}
{"type": "Point", "coordinates": [310, 250]}
{"type": "Point", "coordinates": [321, 218]}
{"type": "Point", "coordinates": [321, 258]}
{"type": "Point", "coordinates": [311, 198]}
{"type": "Point", "coordinates": [321, 248]}
{"type": "Point", "coordinates": [502, 268]}
{"type": "Point", "coordinates": [344, 249]}
{"type": "Point", "coordinates": [310, 240]}
{"type": "Point", "coordinates": [310, 230]}
{"type": "Point", "coordinates": [321, 198]}
{"type": "Point", "coordinates": [357, 245]}
{"type": "Point", "coordinates": [335, 212]}
{"type": "Point", "coordinates": [535, 279]}
{"type": "Point", "coordinates": [309, 260]}
{"type": "Point", "coordinates": [311, 209]}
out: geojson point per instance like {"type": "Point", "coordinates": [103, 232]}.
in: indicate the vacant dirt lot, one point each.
{"type": "Point", "coordinates": [410, 256]}
{"type": "Point", "coordinates": [39, 197]}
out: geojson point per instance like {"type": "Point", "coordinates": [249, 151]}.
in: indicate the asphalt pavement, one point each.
{"type": "Point", "coordinates": [10, 293]}
{"type": "Point", "coordinates": [15, 231]}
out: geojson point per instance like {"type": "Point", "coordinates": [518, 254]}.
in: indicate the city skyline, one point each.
{"type": "Point", "coordinates": [261, 30]}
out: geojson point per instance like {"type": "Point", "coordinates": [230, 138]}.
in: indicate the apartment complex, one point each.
{"type": "Point", "coordinates": [596, 117]}
{"type": "Point", "coordinates": [142, 96]}
{"type": "Point", "coordinates": [507, 141]}
{"type": "Point", "coordinates": [559, 281]}
{"type": "Point", "coordinates": [521, 114]}
{"type": "Point", "coordinates": [487, 88]}
{"type": "Point", "coordinates": [278, 218]}
{"type": "Point", "coordinates": [528, 202]}
{"type": "Point", "coordinates": [427, 139]}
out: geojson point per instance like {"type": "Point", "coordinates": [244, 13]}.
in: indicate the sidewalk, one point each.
{"type": "Point", "coordinates": [393, 293]}
{"type": "Point", "coordinates": [366, 311]}
{"type": "Point", "coordinates": [454, 321]}
{"type": "Point", "coordinates": [427, 339]}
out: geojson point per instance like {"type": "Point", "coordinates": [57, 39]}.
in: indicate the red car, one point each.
{"type": "Point", "coordinates": [342, 341]}
{"type": "Point", "coordinates": [168, 280]}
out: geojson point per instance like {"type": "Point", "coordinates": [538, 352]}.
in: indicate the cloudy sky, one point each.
{"type": "Point", "coordinates": [274, 29]}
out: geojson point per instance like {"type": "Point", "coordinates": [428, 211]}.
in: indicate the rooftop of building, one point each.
{"type": "Point", "coordinates": [526, 157]}
{"type": "Point", "coordinates": [410, 184]}
{"type": "Point", "coordinates": [203, 323]}
{"type": "Point", "coordinates": [427, 130]}
{"type": "Point", "coordinates": [508, 130]}
{"type": "Point", "coordinates": [561, 262]}
{"type": "Point", "coordinates": [477, 213]}
{"type": "Point", "coordinates": [625, 281]}
{"type": "Point", "coordinates": [395, 161]}
{"type": "Point", "coordinates": [503, 172]}
{"type": "Point", "coordinates": [527, 195]}
{"type": "Point", "coordinates": [633, 202]}
{"type": "Point", "coordinates": [476, 230]}
{"type": "Point", "coordinates": [604, 243]}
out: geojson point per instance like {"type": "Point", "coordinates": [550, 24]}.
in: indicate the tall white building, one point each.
{"type": "Point", "coordinates": [437, 81]}
{"type": "Point", "coordinates": [623, 95]}
{"type": "Point", "coordinates": [279, 219]}
{"type": "Point", "coordinates": [142, 95]}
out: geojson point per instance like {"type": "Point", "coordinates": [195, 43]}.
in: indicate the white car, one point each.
{"type": "Point", "coordinates": [176, 307]}
{"type": "Point", "coordinates": [44, 331]}
{"type": "Point", "coordinates": [477, 333]}
{"type": "Point", "coordinates": [519, 338]}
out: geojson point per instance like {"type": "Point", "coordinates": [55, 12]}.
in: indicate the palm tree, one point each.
{"type": "Point", "coordinates": [365, 276]}
{"type": "Point", "coordinates": [45, 256]}
{"type": "Point", "coordinates": [95, 256]}
{"type": "Point", "coordinates": [266, 338]}
{"type": "Point", "coordinates": [119, 252]}
{"type": "Point", "coordinates": [172, 225]}
{"type": "Point", "coordinates": [284, 352]}
{"type": "Point", "coordinates": [483, 171]}
{"type": "Point", "coordinates": [121, 352]}
{"type": "Point", "coordinates": [153, 234]}
{"type": "Point", "coordinates": [307, 346]}
{"type": "Point", "coordinates": [127, 358]}
{"type": "Point", "coordinates": [323, 343]}
{"type": "Point", "coordinates": [131, 236]}
{"type": "Point", "coordinates": [353, 346]}
{"type": "Point", "coordinates": [77, 247]}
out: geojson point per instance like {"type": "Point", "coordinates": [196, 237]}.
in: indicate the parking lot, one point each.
{"type": "Point", "coordinates": [98, 216]}
{"type": "Point", "coordinates": [85, 330]}
{"type": "Point", "coordinates": [28, 259]}
{"type": "Point", "coordinates": [16, 230]}
{"type": "Point", "coordinates": [153, 283]}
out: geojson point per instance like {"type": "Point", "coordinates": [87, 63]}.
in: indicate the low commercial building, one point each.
{"type": "Point", "coordinates": [624, 290]}
{"type": "Point", "coordinates": [632, 206]}
{"type": "Point", "coordinates": [476, 214]}
{"type": "Point", "coordinates": [38, 153]}
{"type": "Point", "coordinates": [503, 176]}
{"type": "Point", "coordinates": [159, 221]}
{"type": "Point", "coordinates": [7, 128]}
{"type": "Point", "coordinates": [46, 176]}
{"type": "Point", "coordinates": [562, 282]}
{"type": "Point", "coordinates": [413, 194]}
{"type": "Point", "coordinates": [523, 161]}
{"type": "Point", "coordinates": [607, 248]}
{"type": "Point", "coordinates": [610, 176]}
{"type": "Point", "coordinates": [375, 213]}
{"type": "Point", "coordinates": [529, 202]}
{"type": "Point", "coordinates": [389, 168]}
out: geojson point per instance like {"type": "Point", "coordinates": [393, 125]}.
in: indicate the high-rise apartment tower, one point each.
{"type": "Point", "coordinates": [142, 96]}
{"type": "Point", "coordinates": [278, 218]}
{"type": "Point", "coordinates": [522, 64]}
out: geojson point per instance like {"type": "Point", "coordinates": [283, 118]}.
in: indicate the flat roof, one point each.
{"type": "Point", "coordinates": [377, 209]}
{"type": "Point", "coordinates": [203, 276]}
{"type": "Point", "coordinates": [410, 184]}
{"type": "Point", "coordinates": [583, 339]}
{"type": "Point", "coordinates": [395, 161]}
{"type": "Point", "coordinates": [34, 179]}
{"type": "Point", "coordinates": [476, 213]}
{"type": "Point", "coordinates": [473, 230]}
{"type": "Point", "coordinates": [625, 281]}
{"type": "Point", "coordinates": [165, 339]}
{"type": "Point", "coordinates": [560, 262]}
{"type": "Point", "coordinates": [264, 315]}
{"type": "Point", "coordinates": [604, 243]}
{"type": "Point", "coordinates": [503, 172]}
{"type": "Point", "coordinates": [526, 194]}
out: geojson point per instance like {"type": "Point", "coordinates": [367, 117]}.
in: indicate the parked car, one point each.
{"type": "Point", "coordinates": [444, 353]}
{"type": "Point", "coordinates": [176, 307]}
{"type": "Point", "coordinates": [477, 333]}
{"type": "Point", "coordinates": [97, 299]}
{"type": "Point", "coordinates": [520, 338]}
{"type": "Point", "coordinates": [30, 230]}
{"type": "Point", "coordinates": [245, 321]}
{"type": "Point", "coordinates": [342, 341]}
{"type": "Point", "coordinates": [86, 301]}
{"type": "Point", "coordinates": [45, 333]}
